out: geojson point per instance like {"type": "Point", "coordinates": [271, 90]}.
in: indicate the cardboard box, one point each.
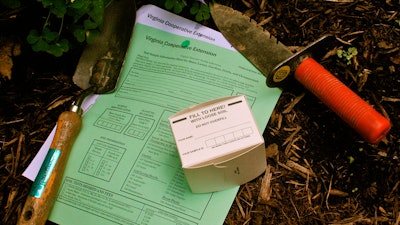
{"type": "Point", "coordinates": [219, 144]}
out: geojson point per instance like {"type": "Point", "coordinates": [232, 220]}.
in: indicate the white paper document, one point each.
{"type": "Point", "coordinates": [124, 167]}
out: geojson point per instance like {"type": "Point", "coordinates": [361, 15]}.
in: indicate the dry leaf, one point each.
{"type": "Point", "coordinates": [9, 47]}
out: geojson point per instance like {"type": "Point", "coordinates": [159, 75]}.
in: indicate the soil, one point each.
{"type": "Point", "coordinates": [320, 171]}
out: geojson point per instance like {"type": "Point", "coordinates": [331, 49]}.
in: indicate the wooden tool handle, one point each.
{"type": "Point", "coordinates": [45, 187]}
{"type": "Point", "coordinates": [371, 125]}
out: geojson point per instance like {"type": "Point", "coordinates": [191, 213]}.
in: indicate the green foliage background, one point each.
{"type": "Point", "coordinates": [71, 21]}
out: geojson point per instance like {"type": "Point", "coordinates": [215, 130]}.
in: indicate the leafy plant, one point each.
{"type": "Point", "coordinates": [198, 8]}
{"type": "Point", "coordinates": [201, 11]}
{"type": "Point", "coordinates": [78, 21]}
{"type": "Point", "coordinates": [347, 55]}
{"type": "Point", "coordinates": [67, 22]}
{"type": "Point", "coordinates": [47, 41]}
{"type": "Point", "coordinates": [175, 5]}
{"type": "Point", "coordinates": [84, 17]}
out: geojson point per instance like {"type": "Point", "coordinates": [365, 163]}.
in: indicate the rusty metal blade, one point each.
{"type": "Point", "coordinates": [261, 48]}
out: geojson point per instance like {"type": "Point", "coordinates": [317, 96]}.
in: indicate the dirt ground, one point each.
{"type": "Point", "coordinates": [319, 170]}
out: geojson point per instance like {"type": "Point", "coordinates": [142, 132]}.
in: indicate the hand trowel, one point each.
{"type": "Point", "coordinates": [97, 72]}
{"type": "Point", "coordinates": [281, 66]}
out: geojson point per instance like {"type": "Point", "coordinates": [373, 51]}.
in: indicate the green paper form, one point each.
{"type": "Point", "coordinates": [124, 167]}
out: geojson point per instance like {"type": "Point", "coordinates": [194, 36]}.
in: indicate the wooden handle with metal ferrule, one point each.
{"type": "Point", "coordinates": [361, 116]}
{"type": "Point", "coordinates": [44, 191]}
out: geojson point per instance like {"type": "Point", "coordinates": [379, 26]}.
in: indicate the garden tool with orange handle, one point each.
{"type": "Point", "coordinates": [97, 72]}
{"type": "Point", "coordinates": [281, 67]}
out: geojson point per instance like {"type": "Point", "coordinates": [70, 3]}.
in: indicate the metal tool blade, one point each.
{"type": "Point", "coordinates": [257, 45]}
{"type": "Point", "coordinates": [101, 60]}
{"type": "Point", "coordinates": [279, 65]}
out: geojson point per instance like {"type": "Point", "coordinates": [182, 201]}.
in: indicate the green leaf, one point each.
{"type": "Point", "coordinates": [178, 7]}
{"type": "Point", "coordinates": [92, 35]}
{"type": "Point", "coordinates": [78, 9]}
{"type": "Point", "coordinates": [206, 16]}
{"type": "Point", "coordinates": [49, 35]}
{"type": "Point", "coordinates": [347, 55]}
{"type": "Point", "coordinates": [41, 45]}
{"type": "Point", "coordinates": [33, 37]}
{"type": "Point", "coordinates": [59, 8]}
{"type": "Point", "coordinates": [204, 8]}
{"type": "Point", "coordinates": [199, 17]}
{"type": "Point", "coordinates": [89, 24]}
{"type": "Point", "coordinates": [195, 8]}
{"type": "Point", "coordinates": [201, 11]}
{"type": "Point", "coordinates": [55, 50]}
{"type": "Point", "coordinates": [64, 45]}
{"type": "Point", "coordinates": [169, 4]}
{"type": "Point", "coordinates": [58, 49]}
{"type": "Point", "coordinates": [79, 4]}
{"type": "Point", "coordinates": [79, 34]}
{"type": "Point", "coordinates": [339, 53]}
{"type": "Point", "coordinates": [98, 4]}
{"type": "Point", "coordinates": [97, 11]}
{"type": "Point", "coordinates": [47, 3]}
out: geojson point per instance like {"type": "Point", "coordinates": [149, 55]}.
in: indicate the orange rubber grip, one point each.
{"type": "Point", "coordinates": [357, 113]}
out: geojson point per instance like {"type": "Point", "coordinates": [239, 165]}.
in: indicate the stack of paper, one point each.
{"type": "Point", "coordinates": [124, 167]}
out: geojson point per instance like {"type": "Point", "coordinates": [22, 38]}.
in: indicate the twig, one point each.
{"type": "Point", "coordinates": [240, 207]}
{"type": "Point", "coordinates": [293, 103]}
{"type": "Point", "coordinates": [265, 189]}
{"type": "Point", "coordinates": [397, 220]}
{"type": "Point", "coordinates": [299, 169]}
{"type": "Point", "coordinates": [294, 206]}
{"type": "Point", "coordinates": [327, 195]}
{"type": "Point", "coordinates": [11, 122]}
{"type": "Point", "coordinates": [308, 20]}
{"type": "Point", "coordinates": [17, 155]}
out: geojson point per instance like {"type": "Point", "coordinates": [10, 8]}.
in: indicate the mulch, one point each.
{"type": "Point", "coordinates": [319, 170]}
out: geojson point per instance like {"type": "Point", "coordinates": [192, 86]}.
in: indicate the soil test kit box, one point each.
{"type": "Point", "coordinates": [219, 144]}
